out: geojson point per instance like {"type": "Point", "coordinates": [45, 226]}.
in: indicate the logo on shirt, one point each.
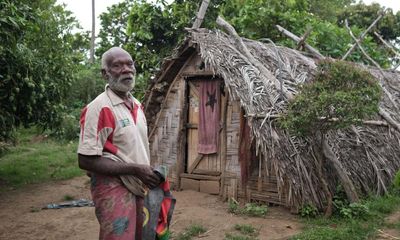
{"type": "Point", "coordinates": [124, 122]}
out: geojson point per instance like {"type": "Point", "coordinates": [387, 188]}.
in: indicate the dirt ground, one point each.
{"type": "Point", "coordinates": [390, 233]}
{"type": "Point", "coordinates": [21, 216]}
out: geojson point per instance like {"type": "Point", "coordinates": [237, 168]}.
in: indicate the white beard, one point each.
{"type": "Point", "coordinates": [121, 85]}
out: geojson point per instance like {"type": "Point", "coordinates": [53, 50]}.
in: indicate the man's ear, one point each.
{"type": "Point", "coordinates": [104, 74]}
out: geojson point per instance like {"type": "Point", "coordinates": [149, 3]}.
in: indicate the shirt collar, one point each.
{"type": "Point", "coordinates": [115, 99]}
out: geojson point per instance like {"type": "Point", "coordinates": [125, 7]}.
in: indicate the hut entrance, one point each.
{"type": "Point", "coordinates": [203, 158]}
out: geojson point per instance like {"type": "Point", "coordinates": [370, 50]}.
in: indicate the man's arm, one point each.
{"type": "Point", "coordinates": [105, 166]}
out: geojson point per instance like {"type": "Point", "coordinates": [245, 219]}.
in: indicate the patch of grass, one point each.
{"type": "Point", "coordinates": [342, 231]}
{"type": "Point", "coordinates": [343, 228]}
{"type": "Point", "coordinates": [246, 229]}
{"type": "Point", "coordinates": [34, 162]}
{"type": "Point", "coordinates": [383, 205]}
{"type": "Point", "coordinates": [68, 197]}
{"type": "Point", "coordinates": [249, 209]}
{"type": "Point", "coordinates": [191, 231]}
{"type": "Point", "coordinates": [231, 236]}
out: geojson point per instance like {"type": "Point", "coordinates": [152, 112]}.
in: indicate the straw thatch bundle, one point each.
{"type": "Point", "coordinates": [369, 154]}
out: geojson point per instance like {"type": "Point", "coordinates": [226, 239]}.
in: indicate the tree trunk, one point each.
{"type": "Point", "coordinates": [319, 158]}
{"type": "Point", "coordinates": [344, 179]}
{"type": "Point", "coordinates": [93, 33]}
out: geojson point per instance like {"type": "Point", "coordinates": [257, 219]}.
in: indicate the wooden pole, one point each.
{"type": "Point", "coordinates": [391, 48]}
{"type": "Point", "coordinates": [389, 119]}
{"type": "Point", "coordinates": [300, 44]}
{"type": "Point", "coordinates": [223, 141]}
{"type": "Point", "coordinates": [347, 184]}
{"type": "Point", "coordinates": [363, 35]}
{"type": "Point", "coordinates": [297, 40]}
{"type": "Point", "coordinates": [92, 40]}
{"type": "Point", "coordinates": [358, 43]}
{"type": "Point", "coordinates": [180, 165]}
{"type": "Point", "coordinates": [200, 14]}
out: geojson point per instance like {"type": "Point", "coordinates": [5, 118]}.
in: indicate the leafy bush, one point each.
{"type": "Point", "coordinates": [343, 208]}
{"type": "Point", "coordinates": [37, 63]}
{"type": "Point", "coordinates": [308, 211]}
{"type": "Point", "coordinates": [342, 94]}
{"type": "Point", "coordinates": [233, 206]}
{"type": "Point", "coordinates": [354, 210]}
{"type": "Point", "coordinates": [249, 209]}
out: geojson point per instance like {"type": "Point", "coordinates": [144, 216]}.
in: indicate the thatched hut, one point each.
{"type": "Point", "coordinates": [254, 159]}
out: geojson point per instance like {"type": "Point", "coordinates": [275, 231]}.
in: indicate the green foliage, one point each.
{"type": "Point", "coordinates": [396, 182]}
{"type": "Point", "coordinates": [68, 197]}
{"type": "Point", "coordinates": [149, 31]}
{"type": "Point", "coordinates": [342, 94]}
{"type": "Point", "coordinates": [69, 128]}
{"type": "Point", "coordinates": [246, 229]}
{"type": "Point", "coordinates": [383, 205]}
{"type": "Point", "coordinates": [353, 210]}
{"type": "Point", "coordinates": [38, 57]}
{"type": "Point", "coordinates": [191, 231]}
{"type": "Point", "coordinates": [344, 209]}
{"type": "Point", "coordinates": [352, 230]}
{"type": "Point", "coordinates": [363, 15]}
{"type": "Point", "coordinates": [246, 232]}
{"type": "Point", "coordinates": [233, 206]}
{"type": "Point", "coordinates": [308, 211]}
{"type": "Point", "coordinates": [113, 27]}
{"type": "Point", "coordinates": [86, 85]}
{"type": "Point", "coordinates": [37, 158]}
{"type": "Point", "coordinates": [249, 209]}
{"type": "Point", "coordinates": [343, 227]}
{"type": "Point", "coordinates": [254, 18]}
{"type": "Point", "coordinates": [231, 236]}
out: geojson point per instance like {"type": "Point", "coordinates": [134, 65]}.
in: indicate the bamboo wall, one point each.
{"type": "Point", "coordinates": [232, 141]}
{"type": "Point", "coordinates": [163, 144]}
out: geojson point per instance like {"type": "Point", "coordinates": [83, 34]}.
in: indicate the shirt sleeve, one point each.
{"type": "Point", "coordinates": [97, 125]}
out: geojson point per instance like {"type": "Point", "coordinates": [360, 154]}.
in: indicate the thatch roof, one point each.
{"type": "Point", "coordinates": [370, 153]}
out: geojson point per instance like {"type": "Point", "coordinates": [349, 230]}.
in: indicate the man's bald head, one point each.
{"type": "Point", "coordinates": [109, 55]}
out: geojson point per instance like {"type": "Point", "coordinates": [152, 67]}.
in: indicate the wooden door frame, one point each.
{"type": "Point", "coordinates": [192, 169]}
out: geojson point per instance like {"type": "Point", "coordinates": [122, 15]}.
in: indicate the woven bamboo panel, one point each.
{"type": "Point", "coordinates": [163, 144]}
{"type": "Point", "coordinates": [233, 126]}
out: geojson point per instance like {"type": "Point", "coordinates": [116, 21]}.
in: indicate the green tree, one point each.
{"type": "Point", "coordinates": [113, 24]}
{"type": "Point", "coordinates": [341, 95]}
{"type": "Point", "coordinates": [149, 31]}
{"type": "Point", "coordinates": [256, 19]}
{"type": "Point", "coordinates": [363, 15]}
{"type": "Point", "coordinates": [37, 62]}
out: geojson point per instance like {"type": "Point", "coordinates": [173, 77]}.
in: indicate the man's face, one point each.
{"type": "Point", "coordinates": [121, 72]}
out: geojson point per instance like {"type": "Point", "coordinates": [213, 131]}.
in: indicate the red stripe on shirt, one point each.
{"type": "Point", "coordinates": [82, 120]}
{"type": "Point", "coordinates": [106, 120]}
{"type": "Point", "coordinates": [135, 112]}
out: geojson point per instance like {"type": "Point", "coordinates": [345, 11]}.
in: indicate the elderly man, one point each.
{"type": "Point", "coordinates": [113, 148]}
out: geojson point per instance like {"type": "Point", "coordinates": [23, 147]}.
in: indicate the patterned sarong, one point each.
{"type": "Point", "coordinates": [119, 212]}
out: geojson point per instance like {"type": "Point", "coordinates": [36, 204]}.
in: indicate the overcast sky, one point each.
{"type": "Point", "coordinates": [82, 9]}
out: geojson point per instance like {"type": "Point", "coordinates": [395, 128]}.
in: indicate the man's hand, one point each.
{"type": "Point", "coordinates": [105, 166]}
{"type": "Point", "coordinates": [147, 176]}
